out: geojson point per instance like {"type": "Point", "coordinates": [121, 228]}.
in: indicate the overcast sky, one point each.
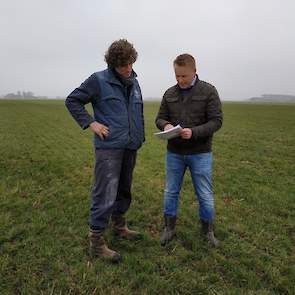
{"type": "Point", "coordinates": [244, 47]}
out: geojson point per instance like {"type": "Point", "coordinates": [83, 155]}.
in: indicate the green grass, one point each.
{"type": "Point", "coordinates": [46, 168]}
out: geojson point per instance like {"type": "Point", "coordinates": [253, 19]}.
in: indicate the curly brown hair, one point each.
{"type": "Point", "coordinates": [120, 53]}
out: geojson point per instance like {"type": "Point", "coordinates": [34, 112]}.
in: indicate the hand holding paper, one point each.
{"type": "Point", "coordinates": [170, 133]}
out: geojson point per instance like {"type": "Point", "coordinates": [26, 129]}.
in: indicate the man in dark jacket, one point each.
{"type": "Point", "coordinates": [118, 128]}
{"type": "Point", "coordinates": [195, 105]}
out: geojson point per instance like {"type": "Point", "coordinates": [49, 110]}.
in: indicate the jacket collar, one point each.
{"type": "Point", "coordinates": [111, 77]}
{"type": "Point", "coordinates": [192, 89]}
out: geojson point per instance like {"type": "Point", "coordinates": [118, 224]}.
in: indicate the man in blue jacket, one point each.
{"type": "Point", "coordinates": [118, 128]}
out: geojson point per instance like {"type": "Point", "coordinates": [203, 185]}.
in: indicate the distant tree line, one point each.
{"type": "Point", "coordinates": [22, 94]}
{"type": "Point", "coordinates": [274, 98]}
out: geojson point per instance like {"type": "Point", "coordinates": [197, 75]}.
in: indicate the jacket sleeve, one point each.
{"type": "Point", "coordinates": [214, 117]}
{"type": "Point", "coordinates": [81, 96]}
{"type": "Point", "coordinates": [162, 118]}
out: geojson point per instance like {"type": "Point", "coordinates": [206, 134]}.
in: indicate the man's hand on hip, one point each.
{"type": "Point", "coordinates": [101, 130]}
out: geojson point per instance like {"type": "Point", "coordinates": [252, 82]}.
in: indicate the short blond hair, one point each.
{"type": "Point", "coordinates": [185, 60]}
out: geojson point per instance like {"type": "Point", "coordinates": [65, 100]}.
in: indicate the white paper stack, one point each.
{"type": "Point", "coordinates": [170, 133]}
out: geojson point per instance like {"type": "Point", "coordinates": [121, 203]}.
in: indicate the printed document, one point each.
{"type": "Point", "coordinates": [170, 133]}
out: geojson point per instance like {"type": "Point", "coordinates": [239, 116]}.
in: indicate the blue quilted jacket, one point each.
{"type": "Point", "coordinates": [112, 107]}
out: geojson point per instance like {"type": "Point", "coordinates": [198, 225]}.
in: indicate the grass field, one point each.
{"type": "Point", "coordinates": [46, 168]}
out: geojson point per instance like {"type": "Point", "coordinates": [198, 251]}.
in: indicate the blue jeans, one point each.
{"type": "Point", "coordinates": [200, 166]}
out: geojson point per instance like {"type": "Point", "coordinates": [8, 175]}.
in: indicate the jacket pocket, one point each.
{"type": "Point", "coordinates": [112, 105]}
{"type": "Point", "coordinates": [199, 98]}
{"type": "Point", "coordinates": [117, 134]}
{"type": "Point", "coordinates": [173, 106]}
{"type": "Point", "coordinates": [198, 104]}
{"type": "Point", "coordinates": [110, 98]}
{"type": "Point", "coordinates": [172, 99]}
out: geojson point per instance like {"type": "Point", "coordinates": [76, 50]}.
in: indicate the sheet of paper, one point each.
{"type": "Point", "coordinates": [168, 134]}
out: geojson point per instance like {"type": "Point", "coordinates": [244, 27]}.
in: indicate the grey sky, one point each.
{"type": "Point", "coordinates": [244, 47]}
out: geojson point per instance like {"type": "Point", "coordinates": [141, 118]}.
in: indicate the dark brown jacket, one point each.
{"type": "Point", "coordinates": [200, 111]}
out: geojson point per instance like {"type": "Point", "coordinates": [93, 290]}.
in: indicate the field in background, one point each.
{"type": "Point", "coordinates": [46, 168]}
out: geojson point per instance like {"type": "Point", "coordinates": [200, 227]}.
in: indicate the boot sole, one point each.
{"type": "Point", "coordinates": [128, 237]}
{"type": "Point", "coordinates": [116, 259]}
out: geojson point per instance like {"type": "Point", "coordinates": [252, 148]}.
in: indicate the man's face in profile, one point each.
{"type": "Point", "coordinates": [125, 71]}
{"type": "Point", "coordinates": [184, 75]}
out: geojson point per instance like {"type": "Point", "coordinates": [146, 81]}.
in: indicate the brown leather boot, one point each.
{"type": "Point", "coordinates": [99, 248]}
{"type": "Point", "coordinates": [121, 229]}
{"type": "Point", "coordinates": [208, 232]}
{"type": "Point", "coordinates": [169, 230]}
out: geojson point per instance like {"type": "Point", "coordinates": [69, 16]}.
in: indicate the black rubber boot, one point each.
{"type": "Point", "coordinates": [99, 248]}
{"type": "Point", "coordinates": [169, 230]}
{"type": "Point", "coordinates": [207, 231]}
